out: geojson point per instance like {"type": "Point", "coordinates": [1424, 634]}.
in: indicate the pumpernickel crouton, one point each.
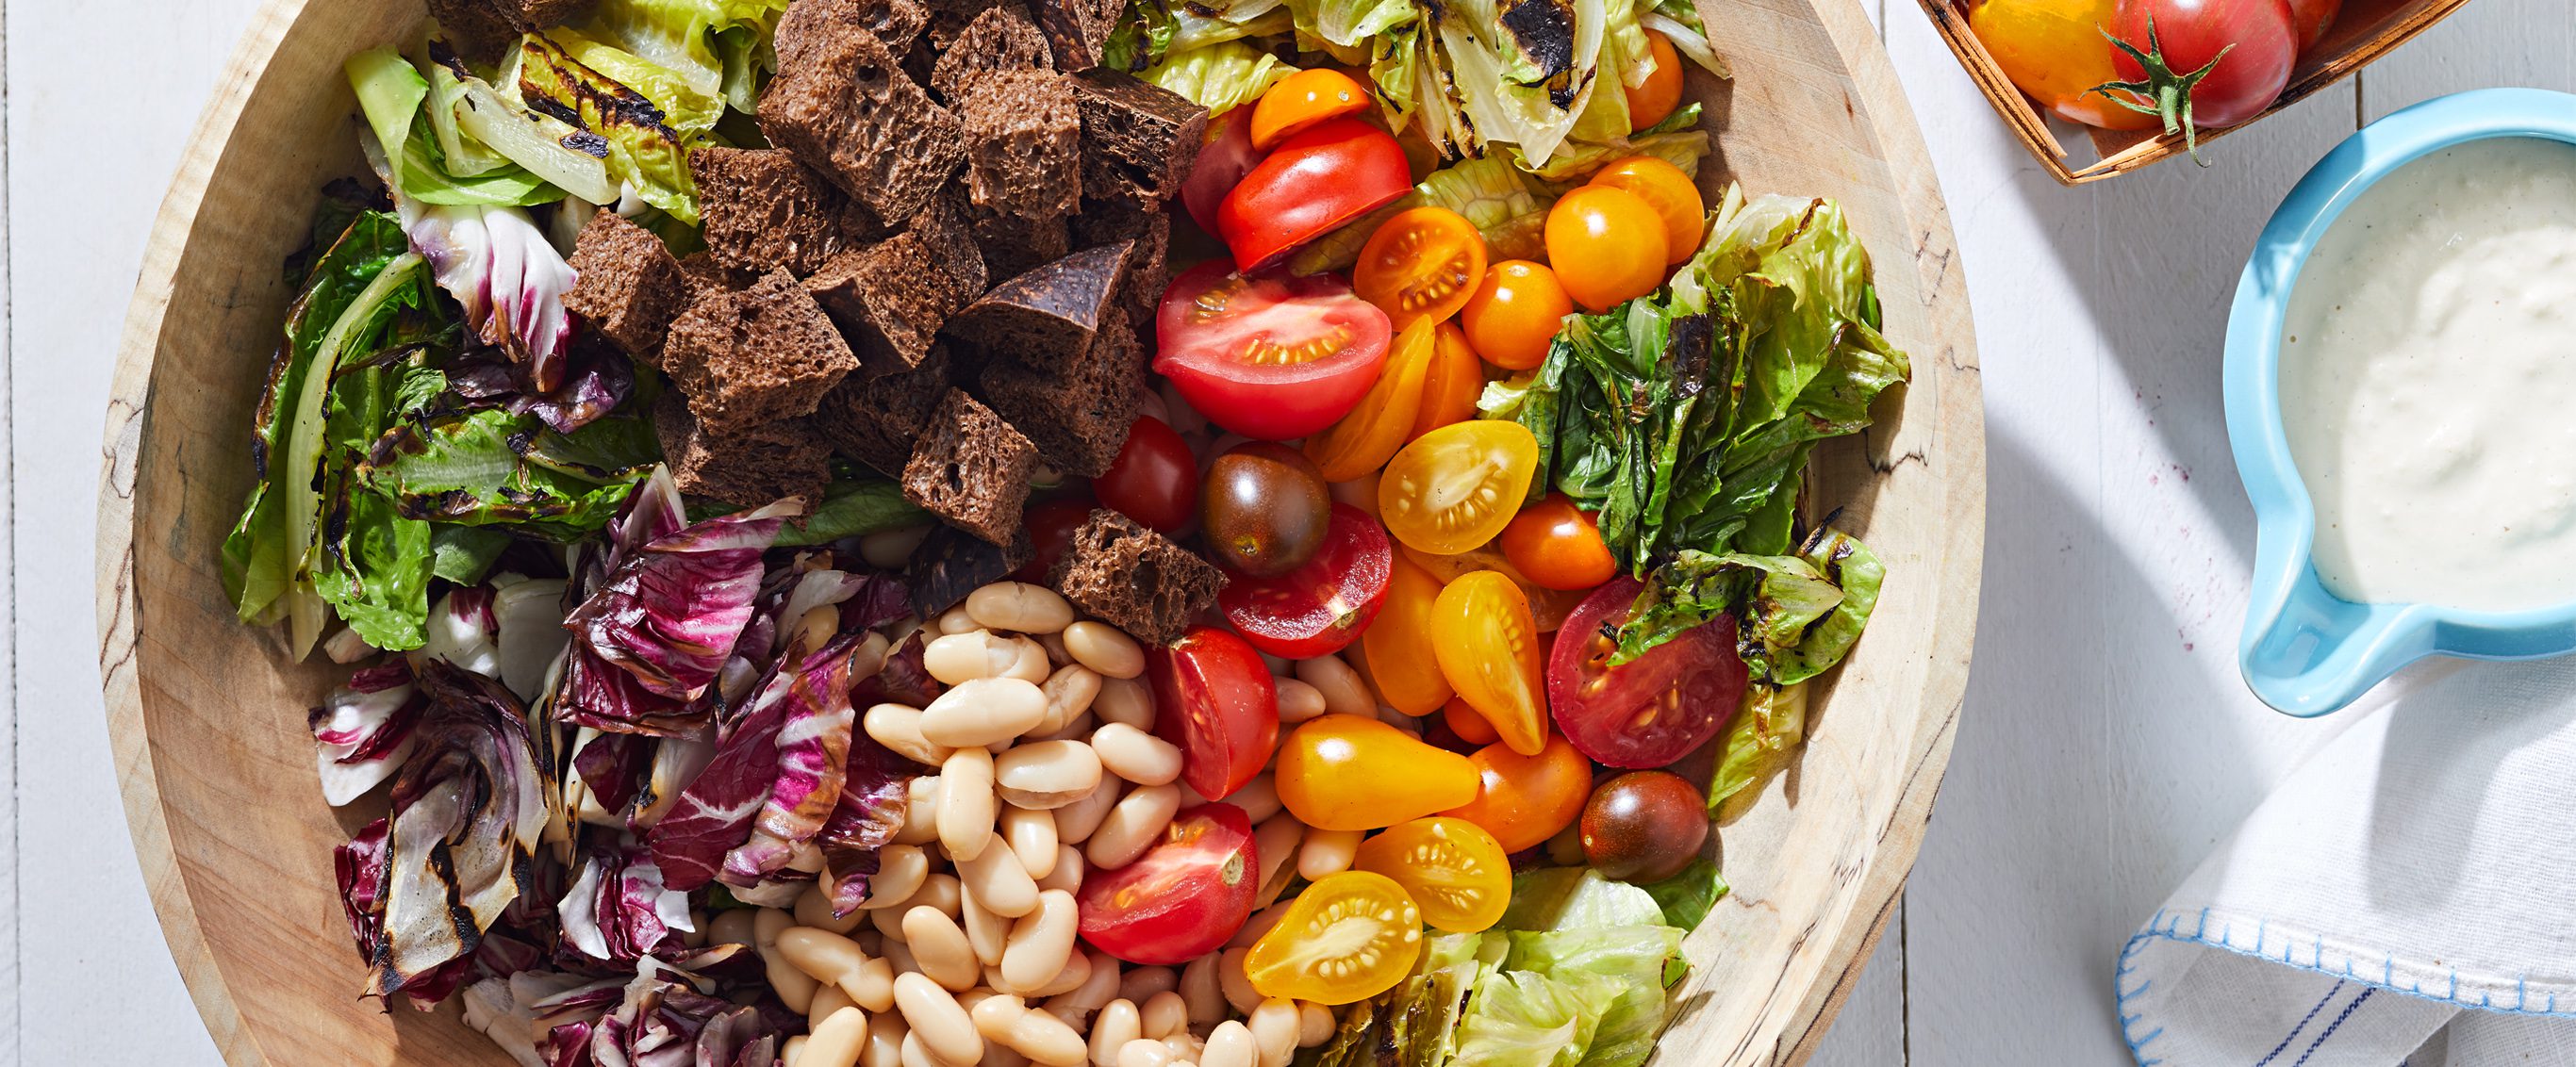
{"type": "Point", "coordinates": [952, 563]}
{"type": "Point", "coordinates": [1076, 30]}
{"type": "Point", "coordinates": [971, 469]}
{"type": "Point", "coordinates": [628, 286]}
{"type": "Point", "coordinates": [1013, 245]}
{"type": "Point", "coordinates": [1149, 269]}
{"type": "Point", "coordinates": [1023, 136]}
{"type": "Point", "coordinates": [1135, 579]}
{"type": "Point", "coordinates": [1078, 415]}
{"type": "Point", "coordinates": [483, 30]}
{"type": "Point", "coordinates": [765, 211]}
{"type": "Point", "coordinates": [1045, 317]}
{"type": "Point", "coordinates": [847, 109]}
{"type": "Point", "coordinates": [1000, 39]}
{"type": "Point", "coordinates": [889, 299]}
{"type": "Point", "coordinates": [875, 419]}
{"type": "Point", "coordinates": [757, 356]}
{"type": "Point", "coordinates": [752, 468]}
{"type": "Point", "coordinates": [1138, 139]}
{"type": "Point", "coordinates": [809, 23]}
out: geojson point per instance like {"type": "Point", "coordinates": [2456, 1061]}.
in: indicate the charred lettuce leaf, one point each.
{"type": "Point", "coordinates": [491, 467]}
{"type": "Point", "coordinates": [644, 150]}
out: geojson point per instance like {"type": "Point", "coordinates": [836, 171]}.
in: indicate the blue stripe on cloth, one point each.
{"type": "Point", "coordinates": [2337, 1024]}
{"type": "Point", "coordinates": [2293, 1035]}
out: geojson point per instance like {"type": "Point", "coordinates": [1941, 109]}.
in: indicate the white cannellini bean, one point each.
{"type": "Point", "coordinates": [731, 927]}
{"type": "Point", "coordinates": [836, 1041]}
{"type": "Point", "coordinates": [999, 883]}
{"type": "Point", "coordinates": [1141, 983]}
{"type": "Point", "coordinates": [982, 711]}
{"type": "Point", "coordinates": [1274, 1031]}
{"type": "Point", "coordinates": [1135, 755]}
{"type": "Point", "coordinates": [1046, 775]}
{"type": "Point", "coordinates": [1077, 821]}
{"type": "Point", "coordinates": [1298, 701]}
{"type": "Point", "coordinates": [1314, 1024]}
{"type": "Point", "coordinates": [956, 621]}
{"type": "Point", "coordinates": [872, 986]}
{"type": "Point", "coordinates": [1055, 650]}
{"type": "Point", "coordinates": [898, 727]}
{"type": "Point", "coordinates": [1276, 841]}
{"type": "Point", "coordinates": [1069, 693]}
{"type": "Point", "coordinates": [966, 803]}
{"type": "Point", "coordinates": [1144, 1052]}
{"type": "Point", "coordinates": [940, 949]}
{"type": "Point", "coordinates": [899, 957]}
{"type": "Point", "coordinates": [1165, 1013]}
{"type": "Point", "coordinates": [1236, 982]}
{"type": "Point", "coordinates": [937, 1020]}
{"type": "Point", "coordinates": [1230, 1045]}
{"type": "Point", "coordinates": [1044, 1039]}
{"type": "Point", "coordinates": [1041, 942]}
{"type": "Point", "coordinates": [795, 988]}
{"type": "Point", "coordinates": [1327, 852]}
{"type": "Point", "coordinates": [886, 1031]}
{"type": "Point", "coordinates": [1099, 987]}
{"type": "Point", "coordinates": [1344, 692]}
{"type": "Point", "coordinates": [984, 930]}
{"type": "Point", "coordinates": [975, 654]}
{"type": "Point", "coordinates": [826, 957]}
{"type": "Point", "coordinates": [814, 908]}
{"type": "Point", "coordinates": [890, 550]}
{"type": "Point", "coordinates": [1074, 729]}
{"type": "Point", "coordinates": [1103, 648]}
{"type": "Point", "coordinates": [790, 1052]}
{"type": "Point", "coordinates": [915, 1054]}
{"type": "Point", "coordinates": [1259, 798]}
{"type": "Point", "coordinates": [921, 811]}
{"type": "Point", "coordinates": [1132, 825]}
{"type": "Point", "coordinates": [1031, 835]}
{"type": "Point", "coordinates": [1201, 991]}
{"type": "Point", "coordinates": [1185, 1047]}
{"type": "Point", "coordinates": [696, 935]}
{"type": "Point", "coordinates": [1075, 974]}
{"type": "Point", "coordinates": [1124, 700]}
{"type": "Point", "coordinates": [900, 871]}
{"type": "Point", "coordinates": [828, 998]}
{"type": "Point", "coordinates": [1116, 1026]}
{"type": "Point", "coordinates": [1031, 664]}
{"type": "Point", "coordinates": [1020, 607]}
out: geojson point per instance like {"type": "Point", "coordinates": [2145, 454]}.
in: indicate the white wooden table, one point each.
{"type": "Point", "coordinates": [2107, 742]}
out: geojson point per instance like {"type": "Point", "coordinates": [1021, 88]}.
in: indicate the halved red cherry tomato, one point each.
{"type": "Point", "coordinates": [1654, 709]}
{"type": "Point", "coordinates": [1320, 607]}
{"type": "Point", "coordinates": [1558, 545]}
{"type": "Point", "coordinates": [1422, 264]}
{"type": "Point", "coordinates": [1376, 427]}
{"type": "Point", "coordinates": [1348, 937]}
{"type": "Point", "coordinates": [1453, 869]}
{"type": "Point", "coordinates": [1607, 246]}
{"type": "Point", "coordinates": [1051, 525]}
{"type": "Point", "coordinates": [1184, 898]}
{"type": "Point", "coordinates": [1489, 650]}
{"type": "Point", "coordinates": [1524, 800]}
{"type": "Point", "coordinates": [1268, 356]}
{"type": "Point", "coordinates": [1312, 182]}
{"type": "Point", "coordinates": [1516, 313]}
{"type": "Point", "coordinates": [1655, 99]}
{"type": "Point", "coordinates": [1213, 698]}
{"type": "Point", "coordinates": [1303, 100]}
{"type": "Point", "coordinates": [1454, 488]}
{"type": "Point", "coordinates": [1455, 380]}
{"type": "Point", "coordinates": [1350, 772]}
{"type": "Point", "coordinates": [1154, 480]}
{"type": "Point", "coordinates": [1670, 192]}
{"type": "Point", "coordinates": [1398, 644]}
{"type": "Point", "coordinates": [1225, 156]}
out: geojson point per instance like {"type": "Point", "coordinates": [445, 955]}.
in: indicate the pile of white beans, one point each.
{"type": "Point", "coordinates": [964, 952]}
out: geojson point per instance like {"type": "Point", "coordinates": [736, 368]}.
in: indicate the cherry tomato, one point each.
{"type": "Point", "coordinates": [1516, 313]}
{"type": "Point", "coordinates": [1654, 100]}
{"type": "Point", "coordinates": [1670, 192]}
{"type": "Point", "coordinates": [2248, 47]}
{"type": "Point", "coordinates": [1184, 898]}
{"type": "Point", "coordinates": [1312, 182]}
{"type": "Point", "coordinates": [1213, 697]}
{"type": "Point", "coordinates": [1607, 246]}
{"type": "Point", "coordinates": [1524, 800]}
{"type": "Point", "coordinates": [2053, 51]}
{"type": "Point", "coordinates": [1264, 509]}
{"type": "Point", "coordinates": [1154, 480]}
{"type": "Point", "coordinates": [1650, 711]}
{"type": "Point", "coordinates": [1303, 100]}
{"type": "Point", "coordinates": [1489, 650]}
{"type": "Point", "coordinates": [1398, 644]}
{"type": "Point", "coordinates": [2313, 18]}
{"type": "Point", "coordinates": [1466, 722]}
{"type": "Point", "coordinates": [1051, 525]}
{"type": "Point", "coordinates": [1320, 608]}
{"type": "Point", "coordinates": [1450, 389]}
{"type": "Point", "coordinates": [1345, 939]}
{"type": "Point", "coordinates": [1367, 437]}
{"type": "Point", "coordinates": [1558, 545]}
{"type": "Point", "coordinates": [1548, 607]}
{"type": "Point", "coordinates": [1643, 826]}
{"type": "Point", "coordinates": [1225, 156]}
{"type": "Point", "coordinates": [1347, 772]}
{"type": "Point", "coordinates": [1455, 872]}
{"type": "Point", "coordinates": [1422, 264]}
{"type": "Point", "coordinates": [1268, 356]}
{"type": "Point", "coordinates": [1454, 488]}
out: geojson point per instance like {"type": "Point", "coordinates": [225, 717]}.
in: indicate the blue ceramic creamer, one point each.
{"type": "Point", "coordinates": [2304, 650]}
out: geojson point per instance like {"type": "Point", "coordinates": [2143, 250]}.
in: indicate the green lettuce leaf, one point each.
{"type": "Point", "coordinates": [1525, 80]}
{"type": "Point", "coordinates": [1350, 24]}
{"type": "Point", "coordinates": [644, 149]}
{"type": "Point", "coordinates": [1221, 76]}
{"type": "Point", "coordinates": [1529, 1019]}
{"type": "Point", "coordinates": [1758, 742]}
{"type": "Point", "coordinates": [711, 46]}
{"type": "Point", "coordinates": [1573, 898]}
{"type": "Point", "coordinates": [1628, 961]}
{"type": "Point", "coordinates": [373, 567]}
{"type": "Point", "coordinates": [391, 93]}
{"type": "Point", "coordinates": [1688, 897]}
{"type": "Point", "coordinates": [852, 507]}
{"type": "Point", "coordinates": [465, 554]}
{"type": "Point", "coordinates": [483, 468]}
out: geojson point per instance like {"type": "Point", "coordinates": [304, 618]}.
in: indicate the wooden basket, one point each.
{"type": "Point", "coordinates": [207, 716]}
{"type": "Point", "coordinates": [2365, 31]}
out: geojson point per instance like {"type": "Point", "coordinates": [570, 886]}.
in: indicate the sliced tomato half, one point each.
{"type": "Point", "coordinates": [1225, 157]}
{"type": "Point", "coordinates": [1184, 898]}
{"type": "Point", "coordinates": [1270, 356]}
{"type": "Point", "coordinates": [1214, 699]}
{"type": "Point", "coordinates": [1320, 607]}
{"type": "Point", "coordinates": [1652, 710]}
{"type": "Point", "coordinates": [1309, 184]}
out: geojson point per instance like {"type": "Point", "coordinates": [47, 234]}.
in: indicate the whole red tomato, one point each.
{"type": "Point", "coordinates": [1154, 480]}
{"type": "Point", "coordinates": [1311, 183]}
{"type": "Point", "coordinates": [2314, 18]}
{"type": "Point", "coordinates": [2206, 64]}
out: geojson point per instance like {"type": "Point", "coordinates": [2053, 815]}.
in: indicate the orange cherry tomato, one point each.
{"type": "Point", "coordinates": [1454, 488]}
{"type": "Point", "coordinates": [1670, 192]}
{"type": "Point", "coordinates": [1422, 264]}
{"type": "Point", "coordinates": [1527, 799]}
{"type": "Point", "coordinates": [1466, 722]}
{"type": "Point", "coordinates": [1656, 99]}
{"type": "Point", "coordinates": [1607, 246]}
{"type": "Point", "coordinates": [1457, 873]}
{"type": "Point", "coordinates": [1348, 937]}
{"type": "Point", "coordinates": [1456, 379]}
{"type": "Point", "coordinates": [1302, 100]}
{"type": "Point", "coordinates": [1364, 439]}
{"type": "Point", "coordinates": [2053, 50]}
{"type": "Point", "coordinates": [1558, 545]}
{"type": "Point", "coordinates": [1548, 606]}
{"type": "Point", "coordinates": [1398, 644]}
{"type": "Point", "coordinates": [1346, 772]}
{"type": "Point", "coordinates": [1489, 649]}
{"type": "Point", "coordinates": [1515, 313]}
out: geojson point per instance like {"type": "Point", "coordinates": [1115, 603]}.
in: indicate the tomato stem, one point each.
{"type": "Point", "coordinates": [2162, 92]}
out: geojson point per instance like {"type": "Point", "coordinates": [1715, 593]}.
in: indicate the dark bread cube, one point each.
{"type": "Point", "coordinates": [1135, 579]}
{"type": "Point", "coordinates": [752, 468]}
{"type": "Point", "coordinates": [943, 229]}
{"type": "Point", "coordinates": [1045, 317]}
{"type": "Point", "coordinates": [847, 108]}
{"type": "Point", "coordinates": [949, 19]}
{"type": "Point", "coordinates": [765, 211]}
{"type": "Point", "coordinates": [1002, 38]}
{"type": "Point", "coordinates": [629, 287]}
{"type": "Point", "coordinates": [1013, 245]}
{"type": "Point", "coordinates": [971, 469]}
{"type": "Point", "coordinates": [889, 300]}
{"type": "Point", "coordinates": [1078, 416]}
{"type": "Point", "coordinates": [1076, 30]}
{"type": "Point", "coordinates": [483, 30]}
{"type": "Point", "coordinates": [809, 23]}
{"type": "Point", "coordinates": [875, 420]}
{"type": "Point", "coordinates": [754, 357]}
{"type": "Point", "coordinates": [1023, 136]}
{"type": "Point", "coordinates": [1138, 139]}
{"type": "Point", "coordinates": [707, 275]}
{"type": "Point", "coordinates": [1149, 269]}
{"type": "Point", "coordinates": [952, 563]}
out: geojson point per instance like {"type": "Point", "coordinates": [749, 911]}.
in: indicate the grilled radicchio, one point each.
{"type": "Point", "coordinates": [618, 909]}
{"type": "Point", "coordinates": [510, 281]}
{"type": "Point", "coordinates": [364, 730]}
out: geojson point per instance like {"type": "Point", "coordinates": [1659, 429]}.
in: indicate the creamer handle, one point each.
{"type": "Point", "coordinates": [2319, 653]}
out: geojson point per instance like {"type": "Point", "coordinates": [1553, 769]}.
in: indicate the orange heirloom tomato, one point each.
{"type": "Point", "coordinates": [1661, 93]}
{"type": "Point", "coordinates": [1489, 649]}
{"type": "Point", "coordinates": [1558, 545]}
{"type": "Point", "coordinates": [1466, 722]}
{"type": "Point", "coordinates": [1302, 100]}
{"type": "Point", "coordinates": [1345, 772]}
{"type": "Point", "coordinates": [1345, 939]}
{"type": "Point", "coordinates": [1374, 430]}
{"type": "Point", "coordinates": [1454, 871]}
{"type": "Point", "coordinates": [1548, 606]}
{"type": "Point", "coordinates": [1422, 264]}
{"type": "Point", "coordinates": [1607, 246]}
{"type": "Point", "coordinates": [1398, 644]}
{"type": "Point", "coordinates": [1527, 799]}
{"type": "Point", "coordinates": [1670, 192]}
{"type": "Point", "coordinates": [1515, 313]}
{"type": "Point", "coordinates": [1456, 487]}
{"type": "Point", "coordinates": [2054, 51]}
{"type": "Point", "coordinates": [1456, 379]}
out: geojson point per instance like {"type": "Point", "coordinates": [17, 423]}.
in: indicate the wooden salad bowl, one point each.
{"type": "Point", "coordinates": [208, 715]}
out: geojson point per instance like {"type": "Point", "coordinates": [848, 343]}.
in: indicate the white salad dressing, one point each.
{"type": "Point", "coordinates": [2428, 382]}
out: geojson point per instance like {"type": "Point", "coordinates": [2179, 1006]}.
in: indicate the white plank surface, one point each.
{"type": "Point", "coordinates": [2107, 743]}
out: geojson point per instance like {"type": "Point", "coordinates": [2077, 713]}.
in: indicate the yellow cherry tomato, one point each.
{"type": "Point", "coordinates": [1655, 99]}
{"type": "Point", "coordinates": [1422, 264]}
{"type": "Point", "coordinates": [1454, 488]}
{"type": "Point", "coordinates": [1524, 800]}
{"type": "Point", "coordinates": [2054, 51]}
{"type": "Point", "coordinates": [1348, 772]}
{"type": "Point", "coordinates": [1374, 430]}
{"type": "Point", "coordinates": [1345, 939]}
{"type": "Point", "coordinates": [1489, 650]}
{"type": "Point", "coordinates": [1398, 643]}
{"type": "Point", "coordinates": [1670, 192]}
{"type": "Point", "coordinates": [1516, 313]}
{"type": "Point", "coordinates": [1454, 871]}
{"type": "Point", "coordinates": [1303, 100]}
{"type": "Point", "coordinates": [1450, 389]}
{"type": "Point", "coordinates": [1607, 246]}
{"type": "Point", "coordinates": [1548, 606]}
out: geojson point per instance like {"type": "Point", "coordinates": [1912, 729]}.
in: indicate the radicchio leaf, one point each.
{"type": "Point", "coordinates": [364, 731]}
{"type": "Point", "coordinates": [670, 611]}
{"type": "Point", "coordinates": [464, 631]}
{"type": "Point", "coordinates": [665, 1017]}
{"type": "Point", "coordinates": [507, 277]}
{"type": "Point", "coordinates": [875, 794]}
{"type": "Point", "coordinates": [618, 910]}
{"type": "Point", "coordinates": [597, 379]}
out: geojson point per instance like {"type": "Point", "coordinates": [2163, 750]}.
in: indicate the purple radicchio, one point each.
{"type": "Point", "coordinates": [631, 780]}
{"type": "Point", "coordinates": [462, 630]}
{"type": "Point", "coordinates": [669, 612]}
{"type": "Point", "coordinates": [618, 910]}
{"type": "Point", "coordinates": [666, 1016]}
{"type": "Point", "coordinates": [875, 794]}
{"type": "Point", "coordinates": [509, 279]}
{"type": "Point", "coordinates": [363, 731]}
{"type": "Point", "coordinates": [596, 379]}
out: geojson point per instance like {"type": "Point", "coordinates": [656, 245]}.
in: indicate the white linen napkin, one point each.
{"type": "Point", "coordinates": [2407, 896]}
